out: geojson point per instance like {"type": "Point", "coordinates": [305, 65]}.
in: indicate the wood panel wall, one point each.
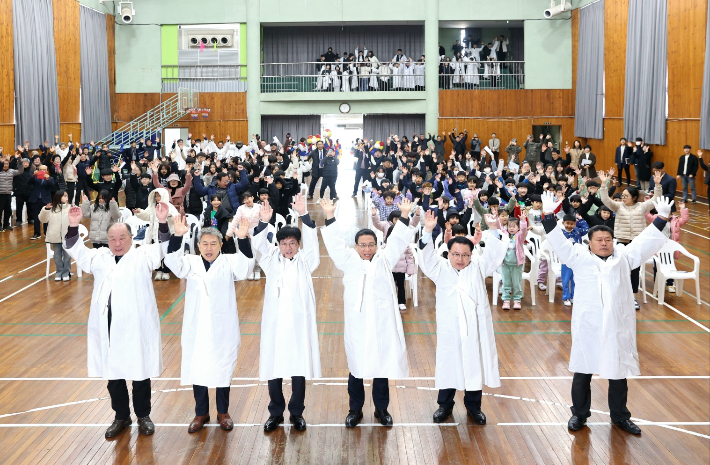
{"type": "Point", "coordinates": [7, 78]}
{"type": "Point", "coordinates": [67, 46]}
{"type": "Point", "coordinates": [228, 114]}
{"type": "Point", "coordinates": [616, 13]}
{"type": "Point", "coordinates": [506, 103]}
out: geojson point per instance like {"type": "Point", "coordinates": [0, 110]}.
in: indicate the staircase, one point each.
{"type": "Point", "coordinates": [152, 122]}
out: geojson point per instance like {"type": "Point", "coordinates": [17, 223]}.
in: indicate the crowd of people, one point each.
{"type": "Point", "coordinates": [465, 216]}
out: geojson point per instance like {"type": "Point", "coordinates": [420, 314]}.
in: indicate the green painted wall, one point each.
{"type": "Point", "coordinates": [138, 58]}
{"type": "Point", "coordinates": [188, 11]}
{"type": "Point", "coordinates": [456, 10]}
{"type": "Point", "coordinates": [548, 54]}
{"type": "Point", "coordinates": [243, 48]}
{"type": "Point", "coordinates": [168, 46]}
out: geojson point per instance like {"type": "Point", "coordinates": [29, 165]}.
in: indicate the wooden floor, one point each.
{"type": "Point", "coordinates": [50, 413]}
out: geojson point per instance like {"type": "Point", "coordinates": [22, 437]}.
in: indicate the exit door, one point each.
{"type": "Point", "coordinates": [555, 131]}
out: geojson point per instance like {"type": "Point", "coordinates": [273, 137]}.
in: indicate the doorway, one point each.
{"type": "Point", "coordinates": [171, 135]}
{"type": "Point", "coordinates": [344, 129]}
{"type": "Point", "coordinates": [555, 131]}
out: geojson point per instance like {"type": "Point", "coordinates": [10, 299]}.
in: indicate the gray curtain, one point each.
{"type": "Point", "coordinates": [95, 94]}
{"type": "Point", "coordinates": [646, 71]}
{"type": "Point", "coordinates": [295, 44]}
{"type": "Point", "coordinates": [298, 125]}
{"type": "Point", "coordinates": [379, 127]}
{"type": "Point", "coordinates": [36, 92]}
{"type": "Point", "coordinates": [705, 99]}
{"type": "Point", "coordinates": [589, 117]}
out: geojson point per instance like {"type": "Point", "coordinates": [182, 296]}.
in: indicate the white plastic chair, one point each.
{"type": "Point", "coordinates": [412, 290]}
{"type": "Point", "coordinates": [136, 223]}
{"type": "Point", "coordinates": [554, 268]}
{"type": "Point", "coordinates": [194, 224]}
{"type": "Point", "coordinates": [83, 233]}
{"type": "Point", "coordinates": [642, 279]}
{"type": "Point", "coordinates": [666, 269]}
{"type": "Point", "coordinates": [125, 214]}
{"type": "Point", "coordinates": [280, 221]}
{"type": "Point", "coordinates": [294, 217]}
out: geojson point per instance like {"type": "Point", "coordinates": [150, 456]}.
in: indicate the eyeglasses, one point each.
{"type": "Point", "coordinates": [625, 196]}
{"type": "Point", "coordinates": [461, 255]}
{"type": "Point", "coordinates": [367, 246]}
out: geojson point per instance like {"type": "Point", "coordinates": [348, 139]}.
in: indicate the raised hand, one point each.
{"type": "Point", "coordinates": [180, 226]}
{"type": "Point", "coordinates": [75, 215]}
{"type": "Point", "coordinates": [161, 211]}
{"type": "Point", "coordinates": [299, 204]}
{"type": "Point", "coordinates": [429, 221]}
{"type": "Point", "coordinates": [328, 208]}
{"type": "Point", "coordinates": [266, 212]}
{"type": "Point", "coordinates": [243, 230]}
{"type": "Point", "coordinates": [663, 207]}
{"type": "Point", "coordinates": [549, 204]}
{"type": "Point", "coordinates": [88, 171]}
{"type": "Point", "coordinates": [602, 176]}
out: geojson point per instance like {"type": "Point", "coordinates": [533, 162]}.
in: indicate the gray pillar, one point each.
{"type": "Point", "coordinates": [431, 50]}
{"type": "Point", "coordinates": [253, 48]}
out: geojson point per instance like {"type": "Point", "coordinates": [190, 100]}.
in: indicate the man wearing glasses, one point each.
{"type": "Point", "coordinates": [466, 355]}
{"type": "Point", "coordinates": [374, 337]}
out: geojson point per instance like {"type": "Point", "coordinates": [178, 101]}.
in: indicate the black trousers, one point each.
{"type": "Point", "coordinates": [202, 400]}
{"type": "Point", "coordinates": [314, 181]}
{"type": "Point", "coordinates": [6, 210]}
{"type": "Point", "coordinates": [81, 188]}
{"type": "Point", "coordinates": [296, 405]}
{"type": "Point", "coordinates": [380, 393]}
{"type": "Point", "coordinates": [34, 210]}
{"type": "Point", "coordinates": [582, 397]}
{"type": "Point", "coordinates": [360, 175]}
{"type": "Point", "coordinates": [399, 281]}
{"type": "Point", "coordinates": [627, 169]}
{"type": "Point", "coordinates": [634, 273]}
{"type": "Point", "coordinates": [328, 181]}
{"type": "Point", "coordinates": [20, 203]}
{"type": "Point", "coordinates": [118, 390]}
{"type": "Point", "coordinates": [70, 191]}
{"type": "Point", "coordinates": [471, 399]}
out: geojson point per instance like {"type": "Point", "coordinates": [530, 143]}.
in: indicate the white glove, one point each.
{"type": "Point", "coordinates": [663, 206]}
{"type": "Point", "coordinates": [549, 204]}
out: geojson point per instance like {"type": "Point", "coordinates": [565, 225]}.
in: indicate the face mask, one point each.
{"type": "Point", "coordinates": [638, 143]}
{"type": "Point", "coordinates": [487, 170]}
{"type": "Point", "coordinates": [380, 175]}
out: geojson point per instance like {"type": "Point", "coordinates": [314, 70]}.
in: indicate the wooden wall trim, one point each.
{"type": "Point", "coordinates": [111, 49]}
{"type": "Point", "coordinates": [7, 78]}
{"type": "Point", "coordinates": [518, 102]}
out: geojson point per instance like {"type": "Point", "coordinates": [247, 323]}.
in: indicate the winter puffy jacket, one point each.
{"type": "Point", "coordinates": [101, 220]}
{"type": "Point", "coordinates": [57, 223]}
{"type": "Point", "coordinates": [7, 177]}
{"type": "Point", "coordinates": [149, 215]}
{"type": "Point", "coordinates": [630, 220]}
{"type": "Point", "coordinates": [405, 264]}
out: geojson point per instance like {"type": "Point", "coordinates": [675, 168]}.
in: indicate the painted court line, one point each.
{"type": "Point", "coordinates": [675, 310]}
{"type": "Point", "coordinates": [413, 378]}
{"type": "Point", "coordinates": [208, 425]}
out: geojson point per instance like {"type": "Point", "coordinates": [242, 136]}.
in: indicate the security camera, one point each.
{"type": "Point", "coordinates": [125, 9]}
{"type": "Point", "coordinates": [555, 10]}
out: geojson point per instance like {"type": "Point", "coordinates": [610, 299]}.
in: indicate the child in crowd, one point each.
{"type": "Point", "coordinates": [104, 213]}
{"type": "Point", "coordinates": [672, 230]}
{"type": "Point", "coordinates": [512, 268]}
{"type": "Point", "coordinates": [386, 204]}
{"type": "Point", "coordinates": [574, 229]}
{"type": "Point", "coordinates": [159, 195]}
{"type": "Point", "coordinates": [56, 215]}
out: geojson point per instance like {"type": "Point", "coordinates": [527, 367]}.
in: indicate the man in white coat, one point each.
{"type": "Point", "coordinates": [289, 334]}
{"type": "Point", "coordinates": [210, 327]}
{"type": "Point", "coordinates": [603, 314]}
{"type": "Point", "coordinates": [374, 337]}
{"type": "Point", "coordinates": [466, 355]}
{"type": "Point", "coordinates": [123, 340]}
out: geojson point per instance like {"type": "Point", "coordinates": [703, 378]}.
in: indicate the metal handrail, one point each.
{"type": "Point", "coordinates": [202, 72]}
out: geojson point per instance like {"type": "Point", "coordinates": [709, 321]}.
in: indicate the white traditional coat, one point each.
{"type": "Point", "coordinates": [374, 337]}
{"type": "Point", "coordinates": [133, 351]}
{"type": "Point", "coordinates": [289, 333]}
{"type": "Point", "coordinates": [210, 326]}
{"type": "Point", "coordinates": [603, 315]}
{"type": "Point", "coordinates": [408, 76]}
{"type": "Point", "coordinates": [466, 355]}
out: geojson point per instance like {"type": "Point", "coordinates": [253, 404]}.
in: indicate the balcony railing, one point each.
{"type": "Point", "coordinates": [205, 78]}
{"type": "Point", "coordinates": [351, 77]}
{"type": "Point", "coordinates": [482, 75]}
{"type": "Point", "coordinates": [340, 77]}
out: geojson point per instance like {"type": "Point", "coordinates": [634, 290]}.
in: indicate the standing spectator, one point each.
{"type": "Point", "coordinates": [316, 158]}
{"type": "Point", "coordinates": [668, 183]}
{"type": "Point", "coordinates": [643, 162]}
{"type": "Point", "coordinates": [40, 196]}
{"type": "Point", "coordinates": [707, 173]}
{"type": "Point", "coordinates": [330, 175]}
{"type": "Point", "coordinates": [622, 158]}
{"type": "Point", "coordinates": [494, 145]}
{"type": "Point", "coordinates": [56, 215]}
{"type": "Point", "coordinates": [513, 150]}
{"type": "Point", "coordinates": [459, 143]}
{"type": "Point", "coordinates": [588, 162]}
{"type": "Point", "coordinates": [22, 188]}
{"type": "Point", "coordinates": [7, 177]}
{"type": "Point", "coordinates": [103, 215]}
{"type": "Point", "coordinates": [687, 169]}
{"type": "Point", "coordinates": [574, 154]}
{"type": "Point", "coordinates": [532, 150]}
{"type": "Point", "coordinates": [362, 166]}
{"type": "Point", "coordinates": [636, 151]}
{"type": "Point", "coordinates": [475, 147]}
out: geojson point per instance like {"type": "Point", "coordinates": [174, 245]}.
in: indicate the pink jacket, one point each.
{"type": "Point", "coordinates": [519, 240]}
{"type": "Point", "coordinates": [676, 223]}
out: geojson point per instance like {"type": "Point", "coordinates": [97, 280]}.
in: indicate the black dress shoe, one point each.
{"type": "Point", "coordinates": [298, 422]}
{"type": "Point", "coordinates": [146, 426]}
{"type": "Point", "coordinates": [272, 423]}
{"type": "Point", "coordinates": [478, 417]}
{"type": "Point", "coordinates": [117, 427]}
{"type": "Point", "coordinates": [384, 417]}
{"type": "Point", "coordinates": [442, 414]}
{"type": "Point", "coordinates": [353, 419]}
{"type": "Point", "coordinates": [576, 423]}
{"type": "Point", "coordinates": [629, 426]}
